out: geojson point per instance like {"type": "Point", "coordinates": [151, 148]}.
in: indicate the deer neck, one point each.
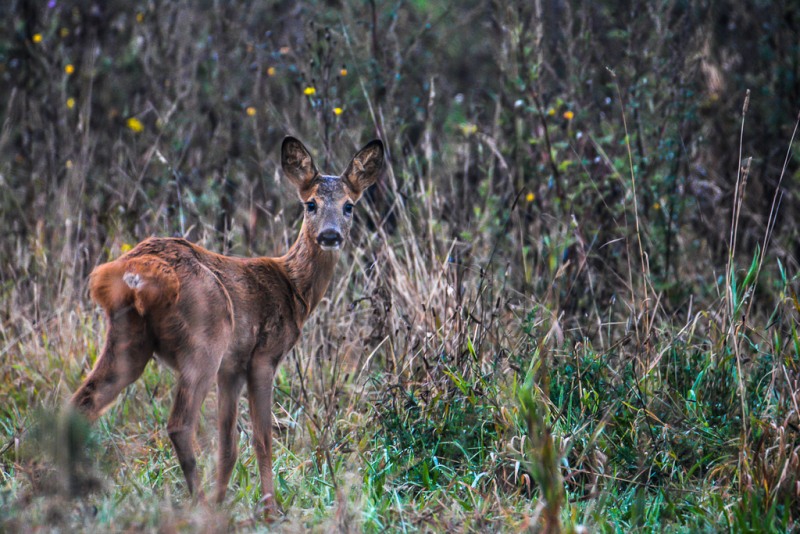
{"type": "Point", "coordinates": [310, 269]}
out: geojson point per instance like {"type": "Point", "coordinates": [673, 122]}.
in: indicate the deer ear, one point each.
{"type": "Point", "coordinates": [297, 163]}
{"type": "Point", "coordinates": [365, 167]}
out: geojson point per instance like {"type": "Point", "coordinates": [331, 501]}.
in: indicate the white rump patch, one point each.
{"type": "Point", "coordinates": [133, 280]}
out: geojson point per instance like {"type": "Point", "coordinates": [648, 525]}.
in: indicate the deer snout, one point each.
{"type": "Point", "coordinates": [329, 239]}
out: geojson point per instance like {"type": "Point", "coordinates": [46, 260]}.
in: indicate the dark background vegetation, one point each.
{"type": "Point", "coordinates": [569, 301]}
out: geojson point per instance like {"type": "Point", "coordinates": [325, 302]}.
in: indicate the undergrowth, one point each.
{"type": "Point", "coordinates": [569, 304]}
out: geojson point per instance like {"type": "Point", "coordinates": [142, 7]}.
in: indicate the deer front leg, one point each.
{"type": "Point", "coordinates": [259, 391]}
{"type": "Point", "coordinates": [229, 386]}
{"type": "Point", "coordinates": [128, 348]}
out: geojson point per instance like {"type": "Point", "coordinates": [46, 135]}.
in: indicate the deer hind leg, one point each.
{"type": "Point", "coordinates": [190, 392]}
{"type": "Point", "coordinates": [259, 392]}
{"type": "Point", "coordinates": [128, 348]}
{"type": "Point", "coordinates": [229, 386]}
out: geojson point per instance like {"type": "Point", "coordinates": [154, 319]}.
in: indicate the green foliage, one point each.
{"type": "Point", "coordinates": [570, 301]}
{"type": "Point", "coordinates": [430, 436]}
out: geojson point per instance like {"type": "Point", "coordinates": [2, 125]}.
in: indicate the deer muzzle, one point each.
{"type": "Point", "coordinates": [329, 239]}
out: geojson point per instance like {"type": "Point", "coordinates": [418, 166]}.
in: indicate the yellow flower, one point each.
{"type": "Point", "coordinates": [125, 247]}
{"type": "Point", "coordinates": [468, 128]}
{"type": "Point", "coordinates": [69, 69]}
{"type": "Point", "coordinates": [530, 197]}
{"type": "Point", "coordinates": [70, 103]}
{"type": "Point", "coordinates": [569, 115]}
{"type": "Point", "coordinates": [63, 32]}
{"type": "Point", "coordinates": [343, 72]}
{"type": "Point", "coordinates": [68, 164]}
{"type": "Point", "coordinates": [337, 111]}
{"type": "Point", "coordinates": [251, 111]}
{"type": "Point", "coordinates": [309, 91]}
{"type": "Point", "coordinates": [271, 71]}
{"type": "Point", "coordinates": [656, 206]}
{"type": "Point", "coordinates": [139, 17]}
{"type": "Point", "coordinates": [551, 112]}
{"type": "Point", "coordinates": [135, 125]}
{"type": "Point", "coordinates": [37, 38]}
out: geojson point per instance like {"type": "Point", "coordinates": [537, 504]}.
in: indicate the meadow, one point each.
{"type": "Point", "coordinates": [568, 305]}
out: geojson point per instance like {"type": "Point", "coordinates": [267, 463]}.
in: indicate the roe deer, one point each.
{"type": "Point", "coordinates": [207, 315]}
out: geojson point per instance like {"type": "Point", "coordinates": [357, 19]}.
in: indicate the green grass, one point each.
{"type": "Point", "coordinates": [457, 444]}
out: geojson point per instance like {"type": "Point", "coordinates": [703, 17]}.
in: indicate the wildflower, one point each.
{"type": "Point", "coordinates": [69, 69]}
{"type": "Point", "coordinates": [343, 72]}
{"type": "Point", "coordinates": [68, 164]}
{"type": "Point", "coordinates": [271, 71]}
{"type": "Point", "coordinates": [530, 197]}
{"type": "Point", "coordinates": [251, 111]}
{"type": "Point", "coordinates": [656, 206]}
{"type": "Point", "coordinates": [135, 125]}
{"type": "Point", "coordinates": [37, 38]}
{"type": "Point", "coordinates": [63, 32]}
{"type": "Point", "coordinates": [468, 128]}
{"type": "Point", "coordinates": [337, 111]}
{"type": "Point", "coordinates": [125, 247]}
{"type": "Point", "coordinates": [569, 115]}
{"type": "Point", "coordinates": [70, 103]}
{"type": "Point", "coordinates": [551, 112]}
{"type": "Point", "coordinates": [309, 91]}
{"type": "Point", "coordinates": [139, 17]}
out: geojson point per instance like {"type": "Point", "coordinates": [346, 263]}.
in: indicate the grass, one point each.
{"type": "Point", "coordinates": [570, 303]}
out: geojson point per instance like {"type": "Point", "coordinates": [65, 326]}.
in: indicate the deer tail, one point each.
{"type": "Point", "coordinates": [146, 282]}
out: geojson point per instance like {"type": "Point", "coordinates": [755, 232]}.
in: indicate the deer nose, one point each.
{"type": "Point", "coordinates": [329, 239]}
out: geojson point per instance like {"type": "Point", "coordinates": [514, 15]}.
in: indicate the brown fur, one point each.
{"type": "Point", "coordinates": [147, 282]}
{"type": "Point", "coordinates": [220, 319]}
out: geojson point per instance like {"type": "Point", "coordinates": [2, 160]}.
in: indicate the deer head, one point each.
{"type": "Point", "coordinates": [329, 200]}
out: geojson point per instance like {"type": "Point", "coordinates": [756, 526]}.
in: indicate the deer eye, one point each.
{"type": "Point", "coordinates": [348, 209]}
{"type": "Point", "coordinates": [311, 206]}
